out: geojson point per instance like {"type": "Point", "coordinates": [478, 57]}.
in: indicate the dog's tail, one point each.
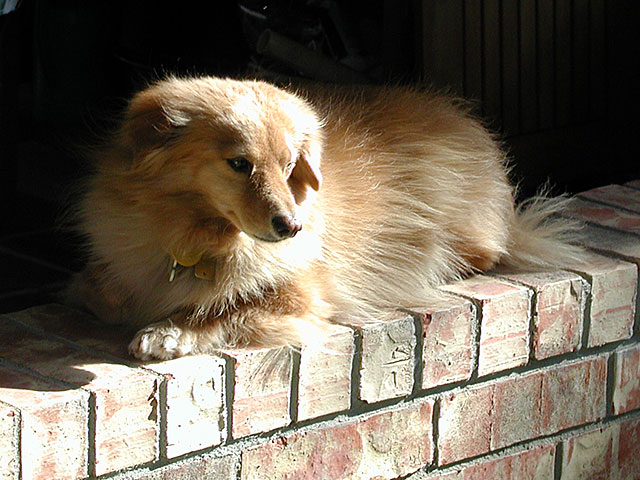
{"type": "Point", "coordinates": [541, 238]}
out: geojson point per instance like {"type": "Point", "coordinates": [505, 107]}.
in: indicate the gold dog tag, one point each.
{"type": "Point", "coordinates": [187, 258]}
{"type": "Point", "coordinates": [205, 269]}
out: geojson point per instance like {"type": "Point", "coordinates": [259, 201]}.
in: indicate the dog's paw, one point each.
{"type": "Point", "coordinates": [162, 341]}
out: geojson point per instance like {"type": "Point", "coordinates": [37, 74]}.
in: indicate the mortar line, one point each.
{"type": "Point", "coordinates": [610, 383]}
{"type": "Point", "coordinates": [558, 459]}
{"type": "Point", "coordinates": [294, 384]}
{"type": "Point", "coordinates": [435, 431]}
{"type": "Point", "coordinates": [418, 355]}
{"type": "Point", "coordinates": [91, 435]}
{"type": "Point", "coordinates": [163, 410]}
{"type": "Point", "coordinates": [229, 394]}
{"type": "Point", "coordinates": [356, 366]}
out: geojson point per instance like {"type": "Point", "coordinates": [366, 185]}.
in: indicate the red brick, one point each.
{"type": "Point", "coordinates": [465, 423]}
{"type": "Point", "coordinates": [590, 455]}
{"type": "Point", "coordinates": [195, 414]}
{"type": "Point", "coordinates": [10, 421]}
{"type": "Point", "coordinates": [325, 375]}
{"type": "Point", "coordinates": [195, 385]}
{"type": "Point", "coordinates": [573, 394]}
{"type": "Point", "coordinates": [382, 446]}
{"type": "Point", "coordinates": [388, 359]}
{"type": "Point", "coordinates": [612, 242]}
{"type": "Point", "coordinates": [194, 468]}
{"type": "Point", "coordinates": [608, 452]}
{"type": "Point", "coordinates": [448, 350]}
{"type": "Point", "coordinates": [628, 458]}
{"type": "Point", "coordinates": [604, 215]}
{"type": "Point", "coordinates": [516, 414]}
{"type": "Point", "coordinates": [504, 333]}
{"type": "Point", "coordinates": [615, 196]}
{"type": "Point", "coordinates": [262, 379]}
{"type": "Point", "coordinates": [613, 299]}
{"type": "Point", "coordinates": [126, 431]}
{"type": "Point", "coordinates": [558, 311]}
{"type": "Point", "coordinates": [78, 327]}
{"type": "Point", "coordinates": [490, 416]}
{"type": "Point", "coordinates": [52, 422]}
{"type": "Point", "coordinates": [626, 392]}
{"type": "Point", "coordinates": [534, 464]}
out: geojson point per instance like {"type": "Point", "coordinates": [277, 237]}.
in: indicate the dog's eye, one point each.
{"type": "Point", "coordinates": [240, 165]}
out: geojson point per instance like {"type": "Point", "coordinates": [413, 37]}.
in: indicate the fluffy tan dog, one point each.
{"type": "Point", "coordinates": [233, 213]}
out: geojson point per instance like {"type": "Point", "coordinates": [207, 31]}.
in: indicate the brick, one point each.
{"type": "Point", "coordinates": [465, 423]}
{"type": "Point", "coordinates": [491, 416]}
{"type": "Point", "coordinates": [628, 458]}
{"type": "Point", "coordinates": [613, 298]}
{"type": "Point", "coordinates": [517, 413]}
{"type": "Point", "coordinates": [504, 331]}
{"type": "Point", "coordinates": [609, 241]}
{"type": "Point", "coordinates": [262, 380]}
{"type": "Point", "coordinates": [388, 359]}
{"type": "Point", "coordinates": [10, 422]}
{"type": "Point", "coordinates": [534, 464]}
{"type": "Point", "coordinates": [196, 417]}
{"type": "Point", "coordinates": [195, 385]}
{"type": "Point", "coordinates": [558, 311]}
{"type": "Point", "coordinates": [615, 196]}
{"type": "Point", "coordinates": [200, 467]}
{"type": "Point", "coordinates": [604, 215]}
{"type": "Point", "coordinates": [324, 385]}
{"type": "Point", "coordinates": [626, 390]}
{"type": "Point", "coordinates": [77, 327]}
{"type": "Point", "coordinates": [383, 446]}
{"type": "Point", "coordinates": [51, 425]}
{"type": "Point", "coordinates": [573, 394]}
{"type": "Point", "coordinates": [126, 432]}
{"type": "Point", "coordinates": [590, 455]}
{"type": "Point", "coordinates": [448, 330]}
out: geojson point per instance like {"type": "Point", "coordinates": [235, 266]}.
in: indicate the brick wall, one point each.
{"type": "Point", "coordinates": [515, 376]}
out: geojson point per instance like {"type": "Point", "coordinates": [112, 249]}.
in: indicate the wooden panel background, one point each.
{"type": "Point", "coordinates": [532, 64]}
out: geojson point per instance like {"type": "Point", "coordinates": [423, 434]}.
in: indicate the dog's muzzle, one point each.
{"type": "Point", "coordinates": [285, 226]}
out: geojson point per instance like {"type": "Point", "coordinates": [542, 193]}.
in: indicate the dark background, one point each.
{"type": "Point", "coordinates": [557, 79]}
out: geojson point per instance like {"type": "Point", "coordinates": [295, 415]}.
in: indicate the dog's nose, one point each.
{"type": "Point", "coordinates": [285, 227]}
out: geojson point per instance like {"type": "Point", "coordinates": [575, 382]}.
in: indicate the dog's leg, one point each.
{"type": "Point", "coordinates": [285, 318]}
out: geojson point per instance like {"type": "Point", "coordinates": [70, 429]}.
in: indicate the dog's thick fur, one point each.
{"type": "Point", "coordinates": [397, 191]}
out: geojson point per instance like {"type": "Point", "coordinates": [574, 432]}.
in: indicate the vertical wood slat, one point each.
{"type": "Point", "coordinates": [545, 63]}
{"type": "Point", "coordinates": [597, 41]}
{"type": "Point", "coordinates": [563, 96]}
{"type": "Point", "coordinates": [528, 67]}
{"type": "Point", "coordinates": [491, 69]}
{"type": "Point", "coordinates": [580, 61]}
{"type": "Point", "coordinates": [473, 49]}
{"type": "Point", "coordinates": [443, 52]}
{"type": "Point", "coordinates": [511, 107]}
{"type": "Point", "coordinates": [534, 64]}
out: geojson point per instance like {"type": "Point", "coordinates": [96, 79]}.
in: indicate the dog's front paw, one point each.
{"type": "Point", "coordinates": [161, 340]}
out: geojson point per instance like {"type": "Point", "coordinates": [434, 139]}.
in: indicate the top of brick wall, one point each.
{"type": "Point", "coordinates": [509, 358]}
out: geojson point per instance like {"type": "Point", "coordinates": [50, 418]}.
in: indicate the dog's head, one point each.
{"type": "Point", "coordinates": [243, 151]}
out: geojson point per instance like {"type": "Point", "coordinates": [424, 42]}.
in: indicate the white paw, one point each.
{"type": "Point", "coordinates": [161, 340]}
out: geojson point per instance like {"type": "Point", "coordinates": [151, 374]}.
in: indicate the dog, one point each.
{"type": "Point", "coordinates": [232, 213]}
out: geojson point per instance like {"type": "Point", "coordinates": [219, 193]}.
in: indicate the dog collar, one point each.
{"type": "Point", "coordinates": [203, 268]}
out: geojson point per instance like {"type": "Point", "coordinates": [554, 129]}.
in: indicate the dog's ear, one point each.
{"type": "Point", "coordinates": [307, 169]}
{"type": "Point", "coordinates": [149, 123]}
